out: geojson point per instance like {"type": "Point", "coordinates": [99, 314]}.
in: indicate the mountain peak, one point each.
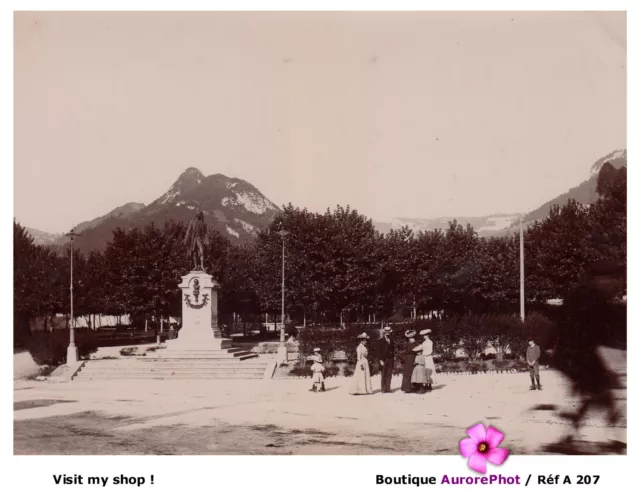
{"type": "Point", "coordinates": [617, 158]}
{"type": "Point", "coordinates": [192, 172]}
{"type": "Point", "coordinates": [188, 180]}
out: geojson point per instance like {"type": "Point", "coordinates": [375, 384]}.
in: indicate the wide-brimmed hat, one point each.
{"type": "Point", "coordinates": [410, 333]}
{"type": "Point", "coordinates": [363, 336]}
{"type": "Point", "coordinates": [316, 350]}
{"type": "Point", "coordinates": [425, 332]}
{"type": "Point", "coordinates": [387, 329]}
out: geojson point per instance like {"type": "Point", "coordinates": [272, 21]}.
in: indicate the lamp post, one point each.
{"type": "Point", "coordinates": [72, 350]}
{"type": "Point", "coordinates": [282, 348]}
{"type": "Point", "coordinates": [521, 269]}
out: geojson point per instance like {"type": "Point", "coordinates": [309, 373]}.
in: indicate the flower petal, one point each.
{"type": "Point", "coordinates": [468, 446]}
{"type": "Point", "coordinates": [494, 437]}
{"type": "Point", "coordinates": [477, 432]}
{"type": "Point", "coordinates": [478, 462]}
{"type": "Point", "coordinates": [497, 456]}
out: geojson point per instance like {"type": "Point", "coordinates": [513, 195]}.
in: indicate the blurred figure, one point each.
{"type": "Point", "coordinates": [587, 321]}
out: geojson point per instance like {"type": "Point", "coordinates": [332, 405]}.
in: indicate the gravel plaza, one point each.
{"type": "Point", "coordinates": [281, 416]}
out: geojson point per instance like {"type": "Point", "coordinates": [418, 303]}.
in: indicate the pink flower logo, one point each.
{"type": "Point", "coordinates": [482, 446]}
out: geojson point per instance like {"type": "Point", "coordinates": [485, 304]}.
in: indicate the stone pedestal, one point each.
{"type": "Point", "coordinates": [199, 314]}
{"type": "Point", "coordinates": [72, 354]}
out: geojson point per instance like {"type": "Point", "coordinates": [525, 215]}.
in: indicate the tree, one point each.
{"type": "Point", "coordinates": [330, 263]}
{"type": "Point", "coordinates": [558, 250]}
{"type": "Point", "coordinates": [495, 289]}
{"type": "Point", "coordinates": [37, 288]}
{"type": "Point", "coordinates": [458, 267]}
{"type": "Point", "coordinates": [238, 294]}
{"type": "Point", "coordinates": [119, 278]}
{"type": "Point", "coordinates": [608, 220]}
{"type": "Point", "coordinates": [397, 271]}
{"type": "Point", "coordinates": [351, 268]}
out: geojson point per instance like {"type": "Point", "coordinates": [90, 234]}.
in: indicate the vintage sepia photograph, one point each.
{"type": "Point", "coordinates": [320, 233]}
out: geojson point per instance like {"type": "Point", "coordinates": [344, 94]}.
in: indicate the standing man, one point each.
{"type": "Point", "coordinates": [533, 357]}
{"type": "Point", "coordinates": [387, 352]}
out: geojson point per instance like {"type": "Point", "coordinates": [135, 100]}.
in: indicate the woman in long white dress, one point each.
{"type": "Point", "coordinates": [361, 384]}
{"type": "Point", "coordinates": [427, 352]}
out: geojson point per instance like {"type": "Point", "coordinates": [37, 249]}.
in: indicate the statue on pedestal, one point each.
{"type": "Point", "coordinates": [195, 238]}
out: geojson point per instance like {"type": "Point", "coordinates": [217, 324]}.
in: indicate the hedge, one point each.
{"type": "Point", "coordinates": [472, 333]}
{"type": "Point", "coordinates": [449, 367]}
{"type": "Point", "coordinates": [50, 347]}
{"type": "Point", "coordinates": [331, 340]}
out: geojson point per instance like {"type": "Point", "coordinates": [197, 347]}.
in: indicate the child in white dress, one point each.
{"type": "Point", "coordinates": [318, 369]}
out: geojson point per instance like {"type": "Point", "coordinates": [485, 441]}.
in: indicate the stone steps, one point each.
{"type": "Point", "coordinates": [233, 363]}
{"type": "Point", "coordinates": [182, 370]}
{"type": "Point", "coordinates": [193, 355]}
{"type": "Point", "coordinates": [133, 376]}
{"type": "Point", "coordinates": [175, 367]}
{"type": "Point", "coordinates": [200, 354]}
{"type": "Point", "coordinates": [187, 370]}
{"type": "Point", "coordinates": [202, 357]}
{"type": "Point", "coordinates": [90, 373]}
{"type": "Point", "coordinates": [198, 363]}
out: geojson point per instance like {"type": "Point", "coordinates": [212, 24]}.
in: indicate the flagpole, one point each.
{"type": "Point", "coordinates": [521, 269]}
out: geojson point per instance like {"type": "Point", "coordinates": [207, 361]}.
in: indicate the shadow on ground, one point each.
{"type": "Point", "coordinates": [90, 433]}
{"type": "Point", "coordinates": [577, 447]}
{"type": "Point", "coordinates": [23, 405]}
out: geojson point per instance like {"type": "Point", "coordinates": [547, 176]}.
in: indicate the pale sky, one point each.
{"type": "Point", "coordinates": [415, 115]}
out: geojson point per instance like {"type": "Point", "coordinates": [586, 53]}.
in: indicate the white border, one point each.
{"type": "Point", "coordinates": [309, 473]}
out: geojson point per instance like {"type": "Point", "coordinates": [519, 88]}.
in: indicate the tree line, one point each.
{"type": "Point", "coordinates": [337, 266]}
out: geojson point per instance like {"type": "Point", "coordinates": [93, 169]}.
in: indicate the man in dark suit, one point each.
{"type": "Point", "coordinates": [533, 357]}
{"type": "Point", "coordinates": [387, 353]}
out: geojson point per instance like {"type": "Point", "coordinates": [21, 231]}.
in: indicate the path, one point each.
{"type": "Point", "coordinates": [283, 417]}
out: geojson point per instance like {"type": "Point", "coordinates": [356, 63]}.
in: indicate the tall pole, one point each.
{"type": "Point", "coordinates": [72, 349]}
{"type": "Point", "coordinates": [521, 269]}
{"type": "Point", "coordinates": [72, 338]}
{"type": "Point", "coordinates": [282, 349]}
{"type": "Point", "coordinates": [282, 316]}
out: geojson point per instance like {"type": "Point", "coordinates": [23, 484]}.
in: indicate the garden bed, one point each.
{"type": "Point", "coordinates": [464, 367]}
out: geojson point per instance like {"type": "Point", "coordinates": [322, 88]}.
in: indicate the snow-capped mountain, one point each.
{"type": "Point", "coordinates": [238, 210]}
{"type": "Point", "coordinates": [617, 159]}
{"type": "Point", "coordinates": [43, 238]}
{"type": "Point", "coordinates": [504, 224]}
{"type": "Point", "coordinates": [484, 226]}
{"type": "Point", "coordinates": [232, 206]}
{"type": "Point", "coordinates": [585, 192]}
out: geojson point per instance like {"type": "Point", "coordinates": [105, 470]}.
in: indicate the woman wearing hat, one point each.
{"type": "Point", "coordinates": [427, 352]}
{"type": "Point", "coordinates": [409, 358]}
{"type": "Point", "coordinates": [419, 378]}
{"type": "Point", "coordinates": [361, 384]}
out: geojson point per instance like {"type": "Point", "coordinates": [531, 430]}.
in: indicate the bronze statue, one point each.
{"type": "Point", "coordinates": [195, 238]}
